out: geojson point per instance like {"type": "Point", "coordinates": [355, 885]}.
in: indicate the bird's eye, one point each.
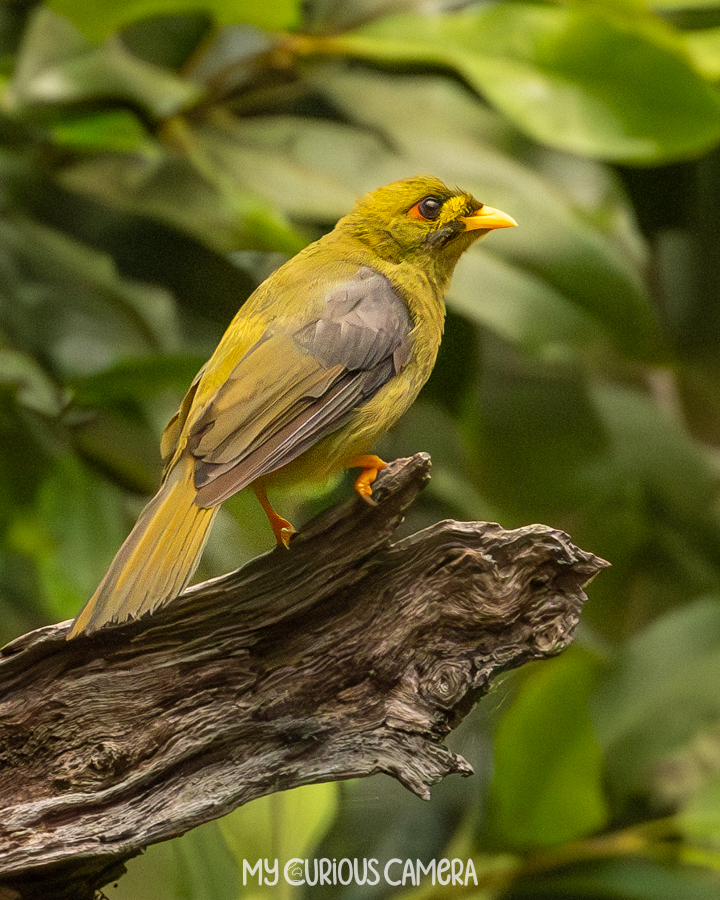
{"type": "Point", "coordinates": [428, 209]}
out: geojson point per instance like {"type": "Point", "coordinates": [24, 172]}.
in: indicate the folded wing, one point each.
{"type": "Point", "coordinates": [298, 384]}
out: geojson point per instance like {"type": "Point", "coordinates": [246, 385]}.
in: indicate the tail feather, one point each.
{"type": "Point", "coordinates": [158, 558]}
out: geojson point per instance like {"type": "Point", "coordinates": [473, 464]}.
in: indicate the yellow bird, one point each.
{"type": "Point", "coordinates": [319, 362]}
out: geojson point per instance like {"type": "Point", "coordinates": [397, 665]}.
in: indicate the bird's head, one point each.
{"type": "Point", "coordinates": [421, 220]}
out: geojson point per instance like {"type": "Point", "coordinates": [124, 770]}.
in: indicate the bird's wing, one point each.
{"type": "Point", "coordinates": [299, 383]}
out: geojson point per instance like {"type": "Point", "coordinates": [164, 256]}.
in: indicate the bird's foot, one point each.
{"type": "Point", "coordinates": [370, 466]}
{"type": "Point", "coordinates": [282, 529]}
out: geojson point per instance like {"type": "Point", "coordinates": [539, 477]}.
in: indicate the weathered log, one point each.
{"type": "Point", "coordinates": [345, 656]}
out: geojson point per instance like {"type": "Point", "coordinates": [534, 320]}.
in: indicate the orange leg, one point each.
{"type": "Point", "coordinates": [282, 529]}
{"type": "Point", "coordinates": [370, 466]}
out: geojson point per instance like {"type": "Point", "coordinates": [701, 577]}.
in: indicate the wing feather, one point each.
{"type": "Point", "coordinates": [298, 384]}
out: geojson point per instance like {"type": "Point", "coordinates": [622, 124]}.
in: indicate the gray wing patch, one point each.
{"type": "Point", "coordinates": [365, 322]}
{"type": "Point", "coordinates": [362, 339]}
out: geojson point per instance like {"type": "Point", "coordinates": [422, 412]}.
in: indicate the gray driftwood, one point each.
{"type": "Point", "coordinates": [347, 655]}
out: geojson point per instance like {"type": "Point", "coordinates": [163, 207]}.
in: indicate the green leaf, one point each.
{"type": "Point", "coordinates": [101, 17]}
{"type": "Point", "coordinates": [524, 309]}
{"type": "Point", "coordinates": [675, 5]}
{"type": "Point", "coordinates": [307, 167]}
{"type": "Point", "coordinates": [281, 826]}
{"type": "Point", "coordinates": [57, 64]}
{"type": "Point", "coordinates": [699, 820]}
{"type": "Point", "coordinates": [433, 429]}
{"type": "Point", "coordinates": [196, 866]}
{"type": "Point", "coordinates": [659, 693]}
{"type": "Point", "coordinates": [116, 130]}
{"type": "Point", "coordinates": [122, 446]}
{"type": "Point", "coordinates": [687, 775]}
{"type": "Point", "coordinates": [66, 302]}
{"type": "Point", "coordinates": [169, 41]}
{"type": "Point", "coordinates": [652, 448]}
{"type": "Point", "coordinates": [643, 498]}
{"type": "Point", "coordinates": [32, 387]}
{"type": "Point", "coordinates": [703, 46]}
{"type": "Point", "coordinates": [27, 445]}
{"type": "Point", "coordinates": [613, 463]}
{"type": "Point", "coordinates": [619, 879]}
{"type": "Point", "coordinates": [117, 415]}
{"type": "Point", "coordinates": [131, 379]}
{"type": "Point", "coordinates": [202, 867]}
{"type": "Point", "coordinates": [547, 786]}
{"type": "Point", "coordinates": [567, 75]}
{"type": "Point", "coordinates": [534, 435]}
{"type": "Point", "coordinates": [190, 194]}
{"type": "Point", "coordinates": [71, 534]}
{"type": "Point", "coordinates": [332, 17]}
{"type": "Point", "coordinates": [240, 179]}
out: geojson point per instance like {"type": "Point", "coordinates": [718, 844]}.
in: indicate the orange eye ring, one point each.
{"type": "Point", "coordinates": [426, 210]}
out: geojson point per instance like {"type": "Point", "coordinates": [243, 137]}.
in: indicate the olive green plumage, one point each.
{"type": "Point", "coordinates": [318, 363]}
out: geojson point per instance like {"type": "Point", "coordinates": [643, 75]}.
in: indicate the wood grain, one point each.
{"type": "Point", "coordinates": [347, 655]}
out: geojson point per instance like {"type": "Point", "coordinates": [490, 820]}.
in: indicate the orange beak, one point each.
{"type": "Point", "coordinates": [487, 217]}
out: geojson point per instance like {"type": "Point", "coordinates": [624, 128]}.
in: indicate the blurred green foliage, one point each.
{"type": "Point", "coordinates": [159, 157]}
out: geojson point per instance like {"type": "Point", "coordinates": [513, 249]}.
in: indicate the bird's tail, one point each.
{"type": "Point", "coordinates": [158, 558]}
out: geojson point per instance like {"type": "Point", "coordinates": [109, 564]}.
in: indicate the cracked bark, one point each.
{"type": "Point", "coordinates": [348, 655]}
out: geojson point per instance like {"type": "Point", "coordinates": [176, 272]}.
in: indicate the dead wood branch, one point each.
{"type": "Point", "coordinates": [345, 656]}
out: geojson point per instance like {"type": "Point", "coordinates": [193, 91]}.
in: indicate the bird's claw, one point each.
{"type": "Point", "coordinates": [284, 533]}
